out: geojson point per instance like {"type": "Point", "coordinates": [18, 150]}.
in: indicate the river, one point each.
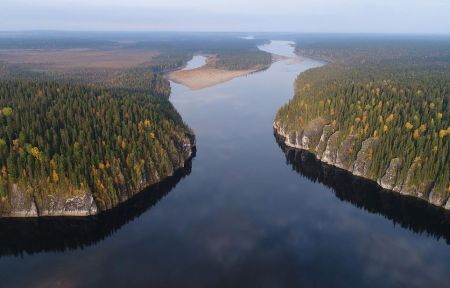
{"type": "Point", "coordinates": [244, 214]}
{"type": "Point", "coordinates": [196, 62]}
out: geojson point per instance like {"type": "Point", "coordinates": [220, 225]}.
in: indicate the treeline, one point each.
{"type": "Point", "coordinates": [140, 78]}
{"type": "Point", "coordinates": [398, 94]}
{"type": "Point", "coordinates": [60, 138]}
{"type": "Point", "coordinates": [166, 62]}
{"type": "Point", "coordinates": [145, 77]}
{"type": "Point", "coordinates": [383, 50]}
{"type": "Point", "coordinates": [232, 52]}
{"type": "Point", "coordinates": [243, 60]}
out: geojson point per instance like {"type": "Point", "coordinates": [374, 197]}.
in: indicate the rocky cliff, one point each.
{"type": "Point", "coordinates": [55, 234]}
{"type": "Point", "coordinates": [21, 203]}
{"type": "Point", "coordinates": [408, 212]}
{"type": "Point", "coordinates": [345, 152]}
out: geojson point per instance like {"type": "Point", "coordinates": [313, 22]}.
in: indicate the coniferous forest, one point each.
{"type": "Point", "coordinates": [72, 135]}
{"type": "Point", "coordinates": [392, 99]}
{"type": "Point", "coordinates": [65, 139]}
{"type": "Point", "coordinates": [224, 143]}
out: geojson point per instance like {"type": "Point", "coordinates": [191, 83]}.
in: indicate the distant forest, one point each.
{"type": "Point", "coordinates": [173, 50]}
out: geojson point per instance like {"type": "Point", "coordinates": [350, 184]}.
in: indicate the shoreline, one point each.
{"type": "Point", "coordinates": [284, 138]}
{"type": "Point", "coordinates": [410, 212]}
{"type": "Point", "coordinates": [201, 78]}
{"type": "Point", "coordinates": [206, 76]}
{"type": "Point", "coordinates": [33, 212]}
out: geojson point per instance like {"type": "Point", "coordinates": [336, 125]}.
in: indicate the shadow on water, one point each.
{"type": "Point", "coordinates": [409, 212]}
{"type": "Point", "coordinates": [56, 234]}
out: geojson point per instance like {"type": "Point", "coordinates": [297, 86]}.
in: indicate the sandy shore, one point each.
{"type": "Point", "coordinates": [206, 77]}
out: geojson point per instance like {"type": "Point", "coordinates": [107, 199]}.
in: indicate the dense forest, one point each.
{"type": "Point", "coordinates": [59, 139]}
{"type": "Point", "coordinates": [102, 130]}
{"type": "Point", "coordinates": [171, 52]}
{"type": "Point", "coordinates": [141, 78]}
{"type": "Point", "coordinates": [392, 99]}
{"type": "Point", "coordinates": [232, 52]}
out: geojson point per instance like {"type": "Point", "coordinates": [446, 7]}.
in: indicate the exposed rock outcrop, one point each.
{"type": "Point", "coordinates": [414, 214]}
{"type": "Point", "coordinates": [82, 204]}
{"type": "Point", "coordinates": [364, 158]}
{"type": "Point", "coordinates": [21, 203]}
{"type": "Point", "coordinates": [437, 199]}
{"type": "Point", "coordinates": [330, 153]}
{"type": "Point", "coordinates": [327, 131]}
{"type": "Point", "coordinates": [421, 190]}
{"type": "Point", "coordinates": [344, 156]}
{"type": "Point", "coordinates": [389, 180]}
{"type": "Point", "coordinates": [331, 148]}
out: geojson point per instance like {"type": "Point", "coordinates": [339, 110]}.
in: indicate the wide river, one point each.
{"type": "Point", "coordinates": [242, 216]}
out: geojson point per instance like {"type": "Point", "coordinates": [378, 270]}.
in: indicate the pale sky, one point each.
{"type": "Point", "coordinates": [347, 16]}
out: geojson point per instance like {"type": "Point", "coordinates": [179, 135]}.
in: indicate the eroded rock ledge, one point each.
{"type": "Point", "coordinates": [330, 147]}
{"type": "Point", "coordinates": [81, 202]}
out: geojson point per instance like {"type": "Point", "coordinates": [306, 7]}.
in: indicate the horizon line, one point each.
{"type": "Point", "coordinates": [224, 31]}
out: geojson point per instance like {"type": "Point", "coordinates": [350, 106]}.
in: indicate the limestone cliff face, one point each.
{"type": "Point", "coordinates": [21, 203]}
{"type": "Point", "coordinates": [417, 216]}
{"type": "Point", "coordinates": [330, 147]}
{"type": "Point", "coordinates": [24, 205]}
{"type": "Point", "coordinates": [330, 154]}
{"type": "Point", "coordinates": [364, 158]}
{"type": "Point", "coordinates": [389, 180]}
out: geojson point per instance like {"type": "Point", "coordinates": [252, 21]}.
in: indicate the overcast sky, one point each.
{"type": "Point", "coordinates": [393, 16]}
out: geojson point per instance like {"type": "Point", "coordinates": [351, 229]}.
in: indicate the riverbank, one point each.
{"type": "Point", "coordinates": [83, 204]}
{"type": "Point", "coordinates": [207, 76]}
{"type": "Point", "coordinates": [408, 212]}
{"type": "Point", "coordinates": [204, 77]}
{"type": "Point", "coordinates": [332, 157]}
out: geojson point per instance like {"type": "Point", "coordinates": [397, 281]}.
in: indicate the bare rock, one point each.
{"type": "Point", "coordinates": [327, 131]}
{"type": "Point", "coordinates": [364, 158]}
{"type": "Point", "coordinates": [21, 202]}
{"type": "Point", "coordinates": [447, 205]}
{"type": "Point", "coordinates": [389, 179]}
{"type": "Point", "coordinates": [312, 133]}
{"type": "Point", "coordinates": [82, 204]}
{"type": "Point", "coordinates": [421, 190]}
{"type": "Point", "coordinates": [329, 155]}
{"type": "Point", "coordinates": [438, 198]}
{"type": "Point", "coordinates": [344, 155]}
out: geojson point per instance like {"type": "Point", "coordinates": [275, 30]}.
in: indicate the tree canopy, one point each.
{"type": "Point", "coordinates": [399, 96]}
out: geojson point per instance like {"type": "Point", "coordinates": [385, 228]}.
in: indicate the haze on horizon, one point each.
{"type": "Point", "coordinates": [343, 16]}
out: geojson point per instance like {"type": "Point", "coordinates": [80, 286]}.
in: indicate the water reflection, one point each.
{"type": "Point", "coordinates": [241, 218]}
{"type": "Point", "coordinates": [408, 212]}
{"type": "Point", "coordinates": [58, 234]}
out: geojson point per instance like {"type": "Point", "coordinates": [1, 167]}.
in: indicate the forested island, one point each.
{"type": "Point", "coordinates": [379, 109]}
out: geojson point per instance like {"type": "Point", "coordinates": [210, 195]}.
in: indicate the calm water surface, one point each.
{"type": "Point", "coordinates": [245, 216]}
{"type": "Point", "coordinates": [196, 62]}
